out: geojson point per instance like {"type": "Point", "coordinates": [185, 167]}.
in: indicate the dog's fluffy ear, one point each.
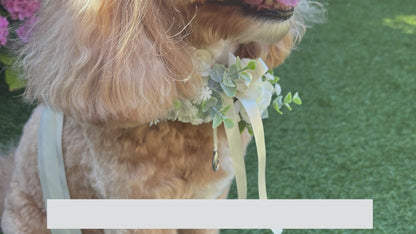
{"type": "Point", "coordinates": [273, 55]}
{"type": "Point", "coordinates": [108, 61]}
{"type": "Point", "coordinates": [278, 52]}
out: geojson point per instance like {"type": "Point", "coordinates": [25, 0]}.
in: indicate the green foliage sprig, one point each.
{"type": "Point", "coordinates": [231, 81]}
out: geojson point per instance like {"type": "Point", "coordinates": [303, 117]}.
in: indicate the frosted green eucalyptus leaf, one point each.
{"type": "Point", "coordinates": [208, 104]}
{"type": "Point", "coordinates": [288, 106]}
{"type": "Point", "coordinates": [245, 76]}
{"type": "Point", "coordinates": [275, 80]}
{"type": "Point", "coordinates": [288, 98]}
{"type": "Point", "coordinates": [229, 91]}
{"type": "Point", "coordinates": [201, 114]}
{"type": "Point", "coordinates": [227, 80]}
{"type": "Point", "coordinates": [239, 64]}
{"type": "Point", "coordinates": [242, 126]}
{"type": "Point", "coordinates": [225, 109]}
{"type": "Point", "coordinates": [276, 106]}
{"type": "Point", "coordinates": [250, 129]}
{"type": "Point", "coordinates": [251, 65]}
{"type": "Point", "coordinates": [217, 121]}
{"type": "Point", "coordinates": [233, 72]}
{"type": "Point", "coordinates": [217, 72]}
{"type": "Point", "coordinates": [296, 99]}
{"type": "Point", "coordinates": [228, 123]}
{"type": "Point", "coordinates": [213, 112]}
{"type": "Point", "coordinates": [279, 100]}
{"type": "Point", "coordinates": [213, 85]}
{"type": "Point", "coordinates": [218, 96]}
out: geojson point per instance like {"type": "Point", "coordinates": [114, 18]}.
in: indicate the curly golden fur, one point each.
{"type": "Point", "coordinates": [113, 66]}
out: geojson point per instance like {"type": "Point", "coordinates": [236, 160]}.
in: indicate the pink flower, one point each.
{"type": "Point", "coordinates": [24, 31]}
{"type": "Point", "coordinates": [21, 9]}
{"type": "Point", "coordinates": [4, 30]}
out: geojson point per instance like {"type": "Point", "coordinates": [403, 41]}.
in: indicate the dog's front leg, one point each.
{"type": "Point", "coordinates": [22, 214]}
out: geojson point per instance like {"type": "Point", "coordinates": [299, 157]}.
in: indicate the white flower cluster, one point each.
{"type": "Point", "coordinates": [185, 111]}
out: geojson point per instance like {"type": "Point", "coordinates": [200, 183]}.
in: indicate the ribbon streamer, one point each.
{"type": "Point", "coordinates": [257, 124]}
{"type": "Point", "coordinates": [236, 150]}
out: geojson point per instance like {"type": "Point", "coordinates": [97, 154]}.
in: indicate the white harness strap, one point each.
{"type": "Point", "coordinates": [50, 160]}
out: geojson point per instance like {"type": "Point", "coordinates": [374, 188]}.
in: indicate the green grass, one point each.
{"type": "Point", "coordinates": [354, 137]}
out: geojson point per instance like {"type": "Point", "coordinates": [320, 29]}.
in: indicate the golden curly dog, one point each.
{"type": "Point", "coordinates": [113, 67]}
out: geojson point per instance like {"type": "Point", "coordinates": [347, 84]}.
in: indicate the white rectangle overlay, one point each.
{"type": "Point", "coordinates": [209, 214]}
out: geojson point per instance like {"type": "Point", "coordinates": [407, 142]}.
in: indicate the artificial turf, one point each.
{"type": "Point", "coordinates": [354, 137]}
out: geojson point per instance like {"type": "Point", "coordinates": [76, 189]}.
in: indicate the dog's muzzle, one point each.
{"type": "Point", "coordinates": [270, 10]}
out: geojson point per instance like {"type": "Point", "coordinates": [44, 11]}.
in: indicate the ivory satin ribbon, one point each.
{"type": "Point", "coordinates": [234, 138]}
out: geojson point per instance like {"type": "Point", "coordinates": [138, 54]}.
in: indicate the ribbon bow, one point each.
{"type": "Point", "coordinates": [247, 98]}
